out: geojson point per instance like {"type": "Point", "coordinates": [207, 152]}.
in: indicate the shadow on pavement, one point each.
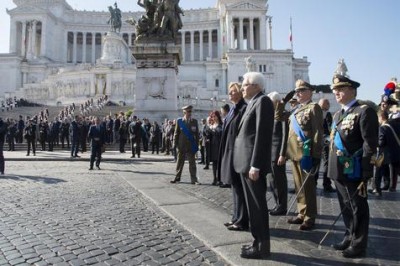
{"type": "Point", "coordinates": [44, 180]}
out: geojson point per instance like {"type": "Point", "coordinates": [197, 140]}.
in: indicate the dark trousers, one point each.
{"type": "Point", "coordinates": [11, 143]}
{"type": "Point", "coordinates": [31, 145]}
{"type": "Point", "coordinates": [326, 182]}
{"type": "Point", "coordinates": [95, 154]}
{"type": "Point", "coordinates": [155, 146]}
{"type": "Point", "coordinates": [135, 147]}
{"type": "Point", "coordinates": [383, 171]}
{"type": "Point", "coordinates": [202, 154]}
{"type": "Point", "coordinates": [74, 147]}
{"type": "Point", "coordinates": [279, 185]}
{"type": "Point", "coordinates": [355, 215]}
{"type": "Point", "coordinates": [64, 137]}
{"type": "Point", "coordinates": [2, 164]}
{"type": "Point", "coordinates": [122, 143]}
{"type": "Point", "coordinates": [239, 216]}
{"type": "Point", "coordinates": [207, 153]}
{"type": "Point", "coordinates": [256, 202]}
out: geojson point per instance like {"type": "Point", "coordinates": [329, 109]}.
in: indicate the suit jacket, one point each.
{"type": "Point", "coordinates": [229, 132]}
{"type": "Point", "coordinates": [388, 142]}
{"type": "Point", "coordinates": [358, 130]}
{"type": "Point", "coordinates": [181, 141]}
{"type": "Point", "coordinates": [253, 143]}
{"type": "Point", "coordinates": [97, 135]}
{"type": "Point", "coordinates": [279, 139]}
{"type": "Point", "coordinates": [310, 119]}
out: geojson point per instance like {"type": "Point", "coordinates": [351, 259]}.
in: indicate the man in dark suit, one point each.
{"type": "Point", "coordinates": [96, 135]}
{"type": "Point", "coordinates": [278, 178]}
{"type": "Point", "coordinates": [227, 173]}
{"type": "Point", "coordinates": [252, 159]}
{"type": "Point", "coordinates": [354, 139]}
{"type": "Point", "coordinates": [186, 139]}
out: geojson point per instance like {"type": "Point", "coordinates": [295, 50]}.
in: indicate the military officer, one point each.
{"type": "Point", "coordinates": [354, 139]}
{"type": "Point", "coordinates": [304, 150]}
{"type": "Point", "coordinates": [186, 139]}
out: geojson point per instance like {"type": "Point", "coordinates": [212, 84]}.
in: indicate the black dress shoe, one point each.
{"type": "Point", "coordinates": [225, 186]}
{"type": "Point", "coordinates": [342, 245]}
{"type": "Point", "coordinates": [206, 168]}
{"type": "Point", "coordinates": [296, 220]}
{"type": "Point", "coordinates": [329, 189]}
{"type": "Point", "coordinates": [254, 253]}
{"type": "Point", "coordinates": [98, 167]}
{"type": "Point", "coordinates": [91, 168]}
{"type": "Point", "coordinates": [307, 225]}
{"type": "Point", "coordinates": [228, 223]}
{"type": "Point", "coordinates": [235, 227]}
{"type": "Point", "coordinates": [174, 181]}
{"type": "Point", "coordinates": [352, 252]}
{"type": "Point", "coordinates": [277, 212]}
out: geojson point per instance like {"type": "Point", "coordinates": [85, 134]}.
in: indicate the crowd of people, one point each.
{"type": "Point", "coordinates": [251, 142]}
{"type": "Point", "coordinates": [248, 145]}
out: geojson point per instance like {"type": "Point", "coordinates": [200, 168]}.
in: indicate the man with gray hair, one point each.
{"type": "Point", "coordinates": [252, 160]}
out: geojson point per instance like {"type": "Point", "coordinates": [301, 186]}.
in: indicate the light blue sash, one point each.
{"type": "Point", "coordinates": [306, 160]}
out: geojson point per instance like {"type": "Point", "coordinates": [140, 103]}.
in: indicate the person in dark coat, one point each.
{"type": "Point", "coordinates": [123, 134]}
{"type": "Point", "coordinates": [11, 134]}
{"type": "Point", "coordinates": [74, 136]}
{"type": "Point", "coordinates": [252, 159]}
{"type": "Point", "coordinates": [239, 220]}
{"type": "Point", "coordinates": [135, 133]}
{"type": "Point", "coordinates": [30, 136]}
{"type": "Point", "coordinates": [96, 136]}
{"type": "Point", "coordinates": [43, 134]}
{"type": "Point", "coordinates": [155, 136]}
{"type": "Point", "coordinates": [215, 142]}
{"type": "Point", "coordinates": [354, 139]}
{"type": "Point", "coordinates": [64, 132]}
{"type": "Point", "coordinates": [20, 130]}
{"type": "Point", "coordinates": [278, 178]}
{"type": "Point", "coordinates": [3, 132]}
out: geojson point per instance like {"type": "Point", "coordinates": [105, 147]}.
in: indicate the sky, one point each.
{"type": "Point", "coordinates": [365, 33]}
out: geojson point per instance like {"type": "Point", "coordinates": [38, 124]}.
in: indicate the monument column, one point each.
{"type": "Point", "coordinates": [74, 47]}
{"type": "Point", "coordinates": [201, 45]}
{"type": "Point", "coordinates": [34, 38]}
{"type": "Point", "coordinates": [232, 30]}
{"type": "Point", "coordinates": [129, 39]}
{"type": "Point", "coordinates": [183, 42]}
{"type": "Point", "coordinates": [23, 39]}
{"type": "Point", "coordinates": [191, 46]}
{"type": "Point", "coordinates": [84, 47]}
{"type": "Point", "coordinates": [251, 26]}
{"type": "Point", "coordinates": [263, 33]}
{"type": "Point", "coordinates": [93, 47]}
{"type": "Point", "coordinates": [65, 47]}
{"type": "Point", "coordinates": [240, 39]}
{"type": "Point", "coordinates": [210, 44]}
{"type": "Point", "coordinates": [13, 36]}
{"type": "Point", "coordinates": [43, 43]}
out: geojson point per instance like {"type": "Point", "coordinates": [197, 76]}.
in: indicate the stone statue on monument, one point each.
{"type": "Point", "coordinates": [115, 19]}
{"type": "Point", "coordinates": [341, 68]}
{"type": "Point", "coordinates": [162, 19]}
{"type": "Point", "coordinates": [250, 64]}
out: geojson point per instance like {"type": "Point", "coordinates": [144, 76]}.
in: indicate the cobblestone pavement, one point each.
{"type": "Point", "coordinates": [58, 212]}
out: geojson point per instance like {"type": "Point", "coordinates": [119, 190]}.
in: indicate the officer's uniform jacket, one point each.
{"type": "Point", "coordinates": [358, 130]}
{"type": "Point", "coordinates": [310, 119]}
{"type": "Point", "coordinates": [180, 139]}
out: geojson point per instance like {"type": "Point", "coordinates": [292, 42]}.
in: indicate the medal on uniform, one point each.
{"type": "Point", "coordinates": [348, 166]}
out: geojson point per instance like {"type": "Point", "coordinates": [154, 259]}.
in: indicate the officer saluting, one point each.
{"type": "Point", "coordinates": [354, 139]}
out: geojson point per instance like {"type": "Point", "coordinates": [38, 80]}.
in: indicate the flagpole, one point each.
{"type": "Point", "coordinates": [291, 35]}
